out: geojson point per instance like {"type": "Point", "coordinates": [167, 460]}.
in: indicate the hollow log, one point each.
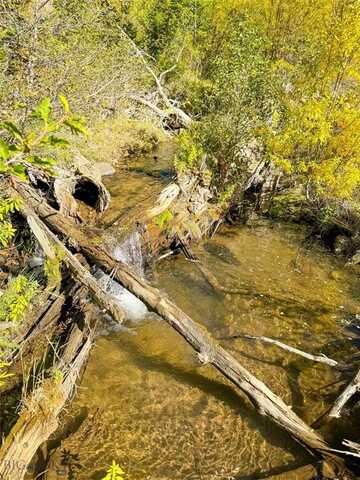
{"type": "Point", "coordinates": [209, 351]}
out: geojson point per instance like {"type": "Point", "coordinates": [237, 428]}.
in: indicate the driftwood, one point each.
{"type": "Point", "coordinates": [39, 416]}
{"type": "Point", "coordinates": [315, 358]}
{"type": "Point", "coordinates": [209, 351]}
{"type": "Point", "coordinates": [350, 390]}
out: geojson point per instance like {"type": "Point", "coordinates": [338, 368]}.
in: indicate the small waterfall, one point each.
{"type": "Point", "coordinates": [130, 253]}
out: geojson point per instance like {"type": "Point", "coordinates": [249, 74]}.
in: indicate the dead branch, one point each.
{"type": "Point", "coordinates": [350, 390]}
{"type": "Point", "coordinates": [315, 358]}
{"type": "Point", "coordinates": [171, 108]}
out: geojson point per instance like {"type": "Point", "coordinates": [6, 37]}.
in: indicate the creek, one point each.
{"type": "Point", "coordinates": [145, 401]}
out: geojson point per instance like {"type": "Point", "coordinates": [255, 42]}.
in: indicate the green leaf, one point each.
{"type": "Point", "coordinates": [163, 219]}
{"type": "Point", "coordinates": [13, 129]}
{"type": "Point", "coordinates": [4, 150]}
{"type": "Point", "coordinates": [43, 161]}
{"type": "Point", "coordinates": [43, 110]}
{"type": "Point", "coordinates": [55, 141]}
{"type": "Point", "coordinates": [19, 171]}
{"type": "Point", "coordinates": [65, 104]}
{"type": "Point", "coordinates": [76, 125]}
{"type": "Point", "coordinates": [115, 472]}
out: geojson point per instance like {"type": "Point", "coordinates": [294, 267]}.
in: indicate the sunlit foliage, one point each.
{"type": "Point", "coordinates": [15, 300]}
{"type": "Point", "coordinates": [285, 73]}
{"type": "Point", "coordinates": [115, 472]}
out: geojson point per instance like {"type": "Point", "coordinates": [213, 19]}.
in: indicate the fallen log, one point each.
{"type": "Point", "coordinates": [44, 321]}
{"type": "Point", "coordinates": [209, 351]}
{"type": "Point", "coordinates": [47, 239]}
{"type": "Point", "coordinates": [39, 416]}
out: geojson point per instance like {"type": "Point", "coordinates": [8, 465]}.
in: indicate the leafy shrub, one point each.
{"type": "Point", "coordinates": [7, 231]}
{"type": "Point", "coordinates": [16, 299]}
{"type": "Point", "coordinates": [19, 148]}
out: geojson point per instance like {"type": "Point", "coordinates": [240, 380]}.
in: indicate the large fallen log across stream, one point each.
{"type": "Point", "coordinates": [44, 236]}
{"type": "Point", "coordinates": [209, 351]}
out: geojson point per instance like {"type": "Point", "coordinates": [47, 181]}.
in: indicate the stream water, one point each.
{"type": "Point", "coordinates": [145, 401]}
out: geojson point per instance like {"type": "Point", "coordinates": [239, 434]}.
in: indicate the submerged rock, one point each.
{"type": "Point", "coordinates": [105, 169]}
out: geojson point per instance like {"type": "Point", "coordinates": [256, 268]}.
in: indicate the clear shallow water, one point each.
{"type": "Point", "coordinates": [144, 400]}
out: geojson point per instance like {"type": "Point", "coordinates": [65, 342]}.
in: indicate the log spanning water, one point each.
{"type": "Point", "coordinates": [209, 351]}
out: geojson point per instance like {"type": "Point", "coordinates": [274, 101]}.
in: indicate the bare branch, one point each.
{"type": "Point", "coordinates": [315, 358]}
{"type": "Point", "coordinates": [350, 390]}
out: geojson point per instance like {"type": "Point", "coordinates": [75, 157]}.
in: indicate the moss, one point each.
{"type": "Point", "coordinates": [288, 206]}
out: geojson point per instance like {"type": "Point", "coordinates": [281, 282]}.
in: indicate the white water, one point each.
{"type": "Point", "coordinates": [130, 253]}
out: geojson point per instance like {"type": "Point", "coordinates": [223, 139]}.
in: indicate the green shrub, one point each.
{"type": "Point", "coordinates": [16, 299]}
